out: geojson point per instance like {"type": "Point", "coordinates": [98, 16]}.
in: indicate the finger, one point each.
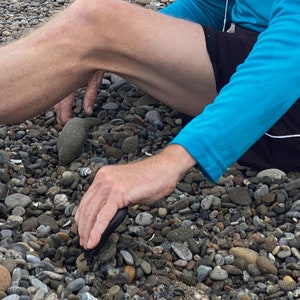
{"type": "Point", "coordinates": [64, 110]}
{"type": "Point", "coordinates": [91, 92]}
{"type": "Point", "coordinates": [86, 216]}
{"type": "Point", "coordinates": [92, 202]}
{"type": "Point", "coordinates": [104, 217]}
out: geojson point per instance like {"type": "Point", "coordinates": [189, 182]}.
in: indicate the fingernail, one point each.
{"type": "Point", "coordinates": [89, 110]}
{"type": "Point", "coordinates": [89, 244]}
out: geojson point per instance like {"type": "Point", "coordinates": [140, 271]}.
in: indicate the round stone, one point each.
{"type": "Point", "coordinates": [5, 279]}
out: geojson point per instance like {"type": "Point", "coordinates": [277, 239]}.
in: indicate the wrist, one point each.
{"type": "Point", "coordinates": [178, 159]}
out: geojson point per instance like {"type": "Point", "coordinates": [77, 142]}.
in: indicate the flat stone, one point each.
{"type": "Point", "coordinates": [240, 196]}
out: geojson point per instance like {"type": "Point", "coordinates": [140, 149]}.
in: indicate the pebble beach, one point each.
{"type": "Point", "coordinates": [236, 239]}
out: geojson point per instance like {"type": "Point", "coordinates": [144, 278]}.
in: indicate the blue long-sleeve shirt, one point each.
{"type": "Point", "coordinates": [261, 90]}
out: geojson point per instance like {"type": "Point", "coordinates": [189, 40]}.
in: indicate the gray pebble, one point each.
{"type": "Point", "coordinates": [292, 185]}
{"type": "Point", "coordinates": [127, 257]}
{"type": "Point", "coordinates": [17, 199]}
{"type": "Point", "coordinates": [12, 297]}
{"type": "Point", "coordinates": [240, 196]}
{"type": "Point", "coordinates": [130, 144]}
{"type": "Point", "coordinates": [182, 251]}
{"type": "Point", "coordinates": [143, 219]}
{"type": "Point", "coordinates": [146, 267]}
{"type": "Point", "coordinates": [154, 117]}
{"type": "Point", "coordinates": [76, 284]}
{"type": "Point", "coordinates": [180, 234]}
{"type": "Point", "coordinates": [262, 191]}
{"type": "Point", "coordinates": [110, 106]}
{"type": "Point", "coordinates": [71, 140]}
{"type": "Point", "coordinates": [202, 272]}
{"type": "Point", "coordinates": [272, 173]}
{"type": "Point", "coordinates": [218, 274]}
{"type": "Point", "coordinates": [88, 296]}
{"type": "Point", "coordinates": [39, 284]}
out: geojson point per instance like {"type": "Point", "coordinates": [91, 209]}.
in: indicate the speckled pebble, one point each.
{"type": "Point", "coordinates": [272, 173]}
{"type": "Point", "coordinates": [143, 219]}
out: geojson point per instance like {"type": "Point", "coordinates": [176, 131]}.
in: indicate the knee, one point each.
{"type": "Point", "coordinates": [85, 15]}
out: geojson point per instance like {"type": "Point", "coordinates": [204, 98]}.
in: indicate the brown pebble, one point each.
{"type": "Point", "coordinates": [191, 265]}
{"type": "Point", "coordinates": [287, 284]}
{"type": "Point", "coordinates": [247, 254]}
{"type": "Point", "coordinates": [10, 264]}
{"type": "Point", "coordinates": [5, 279]}
{"type": "Point", "coordinates": [241, 243]}
{"type": "Point", "coordinates": [245, 297]}
{"type": "Point", "coordinates": [270, 197]}
{"type": "Point", "coordinates": [81, 263]}
{"type": "Point", "coordinates": [130, 271]}
{"type": "Point", "coordinates": [63, 236]}
{"type": "Point", "coordinates": [270, 243]}
{"type": "Point", "coordinates": [257, 237]}
{"type": "Point", "coordinates": [266, 265]}
{"type": "Point", "coordinates": [220, 225]}
{"type": "Point", "coordinates": [73, 228]}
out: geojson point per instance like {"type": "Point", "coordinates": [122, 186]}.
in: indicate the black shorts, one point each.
{"type": "Point", "coordinates": [280, 146]}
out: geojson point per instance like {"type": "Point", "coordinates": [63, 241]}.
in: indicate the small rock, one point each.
{"type": "Point", "coordinates": [76, 284]}
{"type": "Point", "coordinates": [287, 284]}
{"type": "Point", "coordinates": [127, 257]}
{"type": "Point", "coordinates": [248, 255]}
{"type": "Point", "coordinates": [271, 173]}
{"type": "Point", "coordinates": [240, 196]}
{"type": "Point", "coordinates": [143, 219]}
{"type": "Point", "coordinates": [266, 265]}
{"type": "Point", "coordinates": [182, 251]}
{"type": "Point", "coordinates": [17, 199]}
{"type": "Point", "coordinates": [218, 274]}
{"type": "Point", "coordinates": [71, 140]}
{"type": "Point", "coordinates": [81, 263]}
{"type": "Point", "coordinates": [146, 267]}
{"type": "Point", "coordinates": [202, 272]}
{"type": "Point", "coordinates": [180, 234]}
{"type": "Point", "coordinates": [5, 279]}
{"type": "Point", "coordinates": [154, 117]}
{"type": "Point", "coordinates": [130, 144]}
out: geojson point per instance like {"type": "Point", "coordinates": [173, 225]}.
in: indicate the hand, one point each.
{"type": "Point", "coordinates": [64, 110]}
{"type": "Point", "coordinates": [119, 186]}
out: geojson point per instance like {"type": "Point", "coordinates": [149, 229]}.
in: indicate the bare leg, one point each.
{"type": "Point", "coordinates": [164, 56]}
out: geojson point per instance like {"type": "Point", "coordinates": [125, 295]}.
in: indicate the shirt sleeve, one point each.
{"type": "Point", "coordinates": [204, 12]}
{"type": "Point", "coordinates": [262, 89]}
